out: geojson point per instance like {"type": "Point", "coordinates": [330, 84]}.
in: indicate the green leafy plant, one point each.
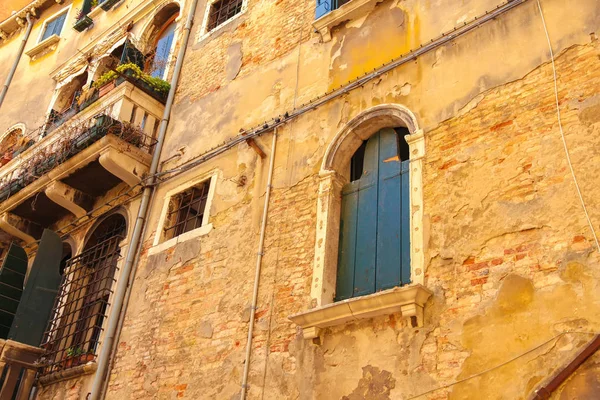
{"type": "Point", "coordinates": [94, 3]}
{"type": "Point", "coordinates": [133, 70]}
{"type": "Point", "coordinates": [74, 352]}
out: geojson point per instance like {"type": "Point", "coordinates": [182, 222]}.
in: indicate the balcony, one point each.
{"type": "Point", "coordinates": [81, 154]}
{"type": "Point", "coordinates": [18, 363]}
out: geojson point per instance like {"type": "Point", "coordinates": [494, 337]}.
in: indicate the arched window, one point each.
{"type": "Point", "coordinates": [161, 39]}
{"type": "Point", "coordinates": [374, 246]}
{"type": "Point", "coordinates": [84, 297]}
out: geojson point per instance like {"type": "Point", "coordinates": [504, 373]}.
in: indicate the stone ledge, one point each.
{"type": "Point", "coordinates": [407, 300]}
{"type": "Point", "coordinates": [69, 373]}
{"type": "Point", "coordinates": [43, 45]}
{"type": "Point", "coordinates": [351, 10]}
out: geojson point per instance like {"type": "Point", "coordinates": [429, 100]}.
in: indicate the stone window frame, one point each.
{"type": "Point", "coordinates": [159, 244]}
{"type": "Point", "coordinates": [50, 42]}
{"type": "Point", "coordinates": [408, 299]}
{"type": "Point", "coordinates": [204, 33]}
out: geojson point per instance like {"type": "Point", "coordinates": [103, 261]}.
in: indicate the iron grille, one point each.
{"type": "Point", "coordinates": [186, 210]}
{"type": "Point", "coordinates": [73, 333]}
{"type": "Point", "coordinates": [221, 11]}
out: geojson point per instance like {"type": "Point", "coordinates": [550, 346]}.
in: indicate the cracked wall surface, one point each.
{"type": "Point", "coordinates": [508, 253]}
{"type": "Point", "coordinates": [509, 256]}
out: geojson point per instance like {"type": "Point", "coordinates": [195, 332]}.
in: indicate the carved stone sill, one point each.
{"type": "Point", "coordinates": [47, 44]}
{"type": "Point", "coordinates": [70, 373]}
{"type": "Point", "coordinates": [407, 300]}
{"type": "Point", "coordinates": [351, 10]}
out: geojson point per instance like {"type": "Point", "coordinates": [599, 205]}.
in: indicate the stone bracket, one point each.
{"type": "Point", "coordinates": [123, 167]}
{"type": "Point", "coordinates": [19, 227]}
{"type": "Point", "coordinates": [69, 198]}
{"type": "Point", "coordinates": [407, 300]}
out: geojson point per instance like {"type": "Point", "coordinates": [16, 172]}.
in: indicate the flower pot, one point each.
{"type": "Point", "coordinates": [83, 23]}
{"type": "Point", "coordinates": [107, 88]}
{"type": "Point", "coordinates": [70, 362]}
{"type": "Point", "coordinates": [86, 358]}
{"type": "Point", "coordinates": [6, 157]}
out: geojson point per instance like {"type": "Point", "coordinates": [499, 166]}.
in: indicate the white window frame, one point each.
{"type": "Point", "coordinates": [66, 10]}
{"type": "Point", "coordinates": [204, 32]}
{"type": "Point", "coordinates": [159, 243]}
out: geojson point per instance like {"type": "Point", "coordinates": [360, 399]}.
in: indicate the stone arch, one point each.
{"type": "Point", "coordinates": [361, 127]}
{"type": "Point", "coordinates": [167, 14]}
{"type": "Point", "coordinates": [332, 177]}
{"type": "Point", "coordinates": [88, 239]}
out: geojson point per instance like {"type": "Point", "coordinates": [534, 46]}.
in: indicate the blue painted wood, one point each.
{"type": "Point", "coordinates": [366, 235]}
{"type": "Point", "coordinates": [40, 292]}
{"type": "Point", "coordinates": [389, 225]}
{"type": "Point", "coordinates": [12, 278]}
{"type": "Point", "coordinates": [375, 222]}
{"type": "Point", "coordinates": [323, 7]}
{"type": "Point", "coordinates": [346, 259]}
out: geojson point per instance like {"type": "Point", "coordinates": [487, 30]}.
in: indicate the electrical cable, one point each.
{"type": "Point", "coordinates": [556, 337]}
{"type": "Point", "coordinates": [562, 133]}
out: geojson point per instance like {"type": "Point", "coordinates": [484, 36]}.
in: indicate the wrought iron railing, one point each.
{"type": "Point", "coordinates": [75, 136]}
{"type": "Point", "coordinates": [73, 333]}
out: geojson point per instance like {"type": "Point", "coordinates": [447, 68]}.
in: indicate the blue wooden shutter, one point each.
{"type": "Point", "coordinates": [375, 221]}
{"type": "Point", "coordinates": [12, 278]}
{"type": "Point", "coordinates": [40, 292]}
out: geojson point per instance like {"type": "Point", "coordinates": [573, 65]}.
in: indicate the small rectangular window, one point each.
{"type": "Point", "coordinates": [221, 11]}
{"type": "Point", "coordinates": [54, 26]}
{"type": "Point", "coordinates": [186, 210]}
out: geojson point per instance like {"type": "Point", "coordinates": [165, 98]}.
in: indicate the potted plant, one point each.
{"type": "Point", "coordinates": [72, 357]}
{"type": "Point", "coordinates": [86, 357]}
{"type": "Point", "coordinates": [82, 22]}
{"type": "Point", "coordinates": [106, 83]}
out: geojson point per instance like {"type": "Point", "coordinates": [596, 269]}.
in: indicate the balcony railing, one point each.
{"type": "Point", "coordinates": [74, 139]}
{"type": "Point", "coordinates": [18, 369]}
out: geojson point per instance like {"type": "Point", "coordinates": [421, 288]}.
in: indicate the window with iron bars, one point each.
{"type": "Point", "coordinates": [73, 333]}
{"type": "Point", "coordinates": [186, 210]}
{"type": "Point", "coordinates": [221, 11]}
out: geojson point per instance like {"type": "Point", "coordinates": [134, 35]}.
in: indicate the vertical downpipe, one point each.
{"type": "Point", "coordinates": [123, 285]}
{"type": "Point", "coordinates": [259, 257]}
{"type": "Point", "coordinates": [13, 69]}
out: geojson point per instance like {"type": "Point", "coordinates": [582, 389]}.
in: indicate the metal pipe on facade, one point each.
{"type": "Point", "coordinates": [259, 257]}
{"type": "Point", "coordinates": [13, 69]}
{"type": "Point", "coordinates": [126, 277]}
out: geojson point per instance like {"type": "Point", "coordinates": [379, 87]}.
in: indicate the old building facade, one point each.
{"type": "Point", "coordinates": [279, 200]}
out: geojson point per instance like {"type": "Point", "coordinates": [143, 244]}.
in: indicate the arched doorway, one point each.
{"type": "Point", "coordinates": [84, 296]}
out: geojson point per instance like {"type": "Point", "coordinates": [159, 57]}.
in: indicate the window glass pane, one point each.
{"type": "Point", "coordinates": [54, 27]}
{"type": "Point", "coordinates": [162, 51]}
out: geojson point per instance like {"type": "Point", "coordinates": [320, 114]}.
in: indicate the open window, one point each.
{"type": "Point", "coordinates": [161, 41]}
{"type": "Point", "coordinates": [81, 306]}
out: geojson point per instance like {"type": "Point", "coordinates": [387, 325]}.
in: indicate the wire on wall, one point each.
{"type": "Point", "coordinates": [562, 133]}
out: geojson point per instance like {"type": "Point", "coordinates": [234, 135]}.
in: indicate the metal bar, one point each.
{"type": "Point", "coordinates": [558, 379]}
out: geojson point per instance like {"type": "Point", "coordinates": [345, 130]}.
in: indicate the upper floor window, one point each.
{"type": "Point", "coordinates": [162, 49]}
{"type": "Point", "coordinates": [374, 249]}
{"type": "Point", "coordinates": [186, 210]}
{"type": "Point", "coordinates": [54, 25]}
{"type": "Point", "coordinates": [221, 11]}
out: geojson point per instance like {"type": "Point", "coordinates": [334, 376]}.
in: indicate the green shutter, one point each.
{"type": "Point", "coordinates": [12, 277]}
{"type": "Point", "coordinates": [40, 292]}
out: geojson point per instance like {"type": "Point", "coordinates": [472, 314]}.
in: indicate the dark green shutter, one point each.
{"type": "Point", "coordinates": [40, 292]}
{"type": "Point", "coordinates": [12, 277]}
{"type": "Point", "coordinates": [374, 243]}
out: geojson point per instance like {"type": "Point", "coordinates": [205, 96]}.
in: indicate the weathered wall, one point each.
{"type": "Point", "coordinates": [509, 255]}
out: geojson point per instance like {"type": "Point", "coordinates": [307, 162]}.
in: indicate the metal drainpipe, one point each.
{"type": "Point", "coordinates": [261, 242]}
{"type": "Point", "coordinates": [126, 276]}
{"type": "Point", "coordinates": [16, 62]}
